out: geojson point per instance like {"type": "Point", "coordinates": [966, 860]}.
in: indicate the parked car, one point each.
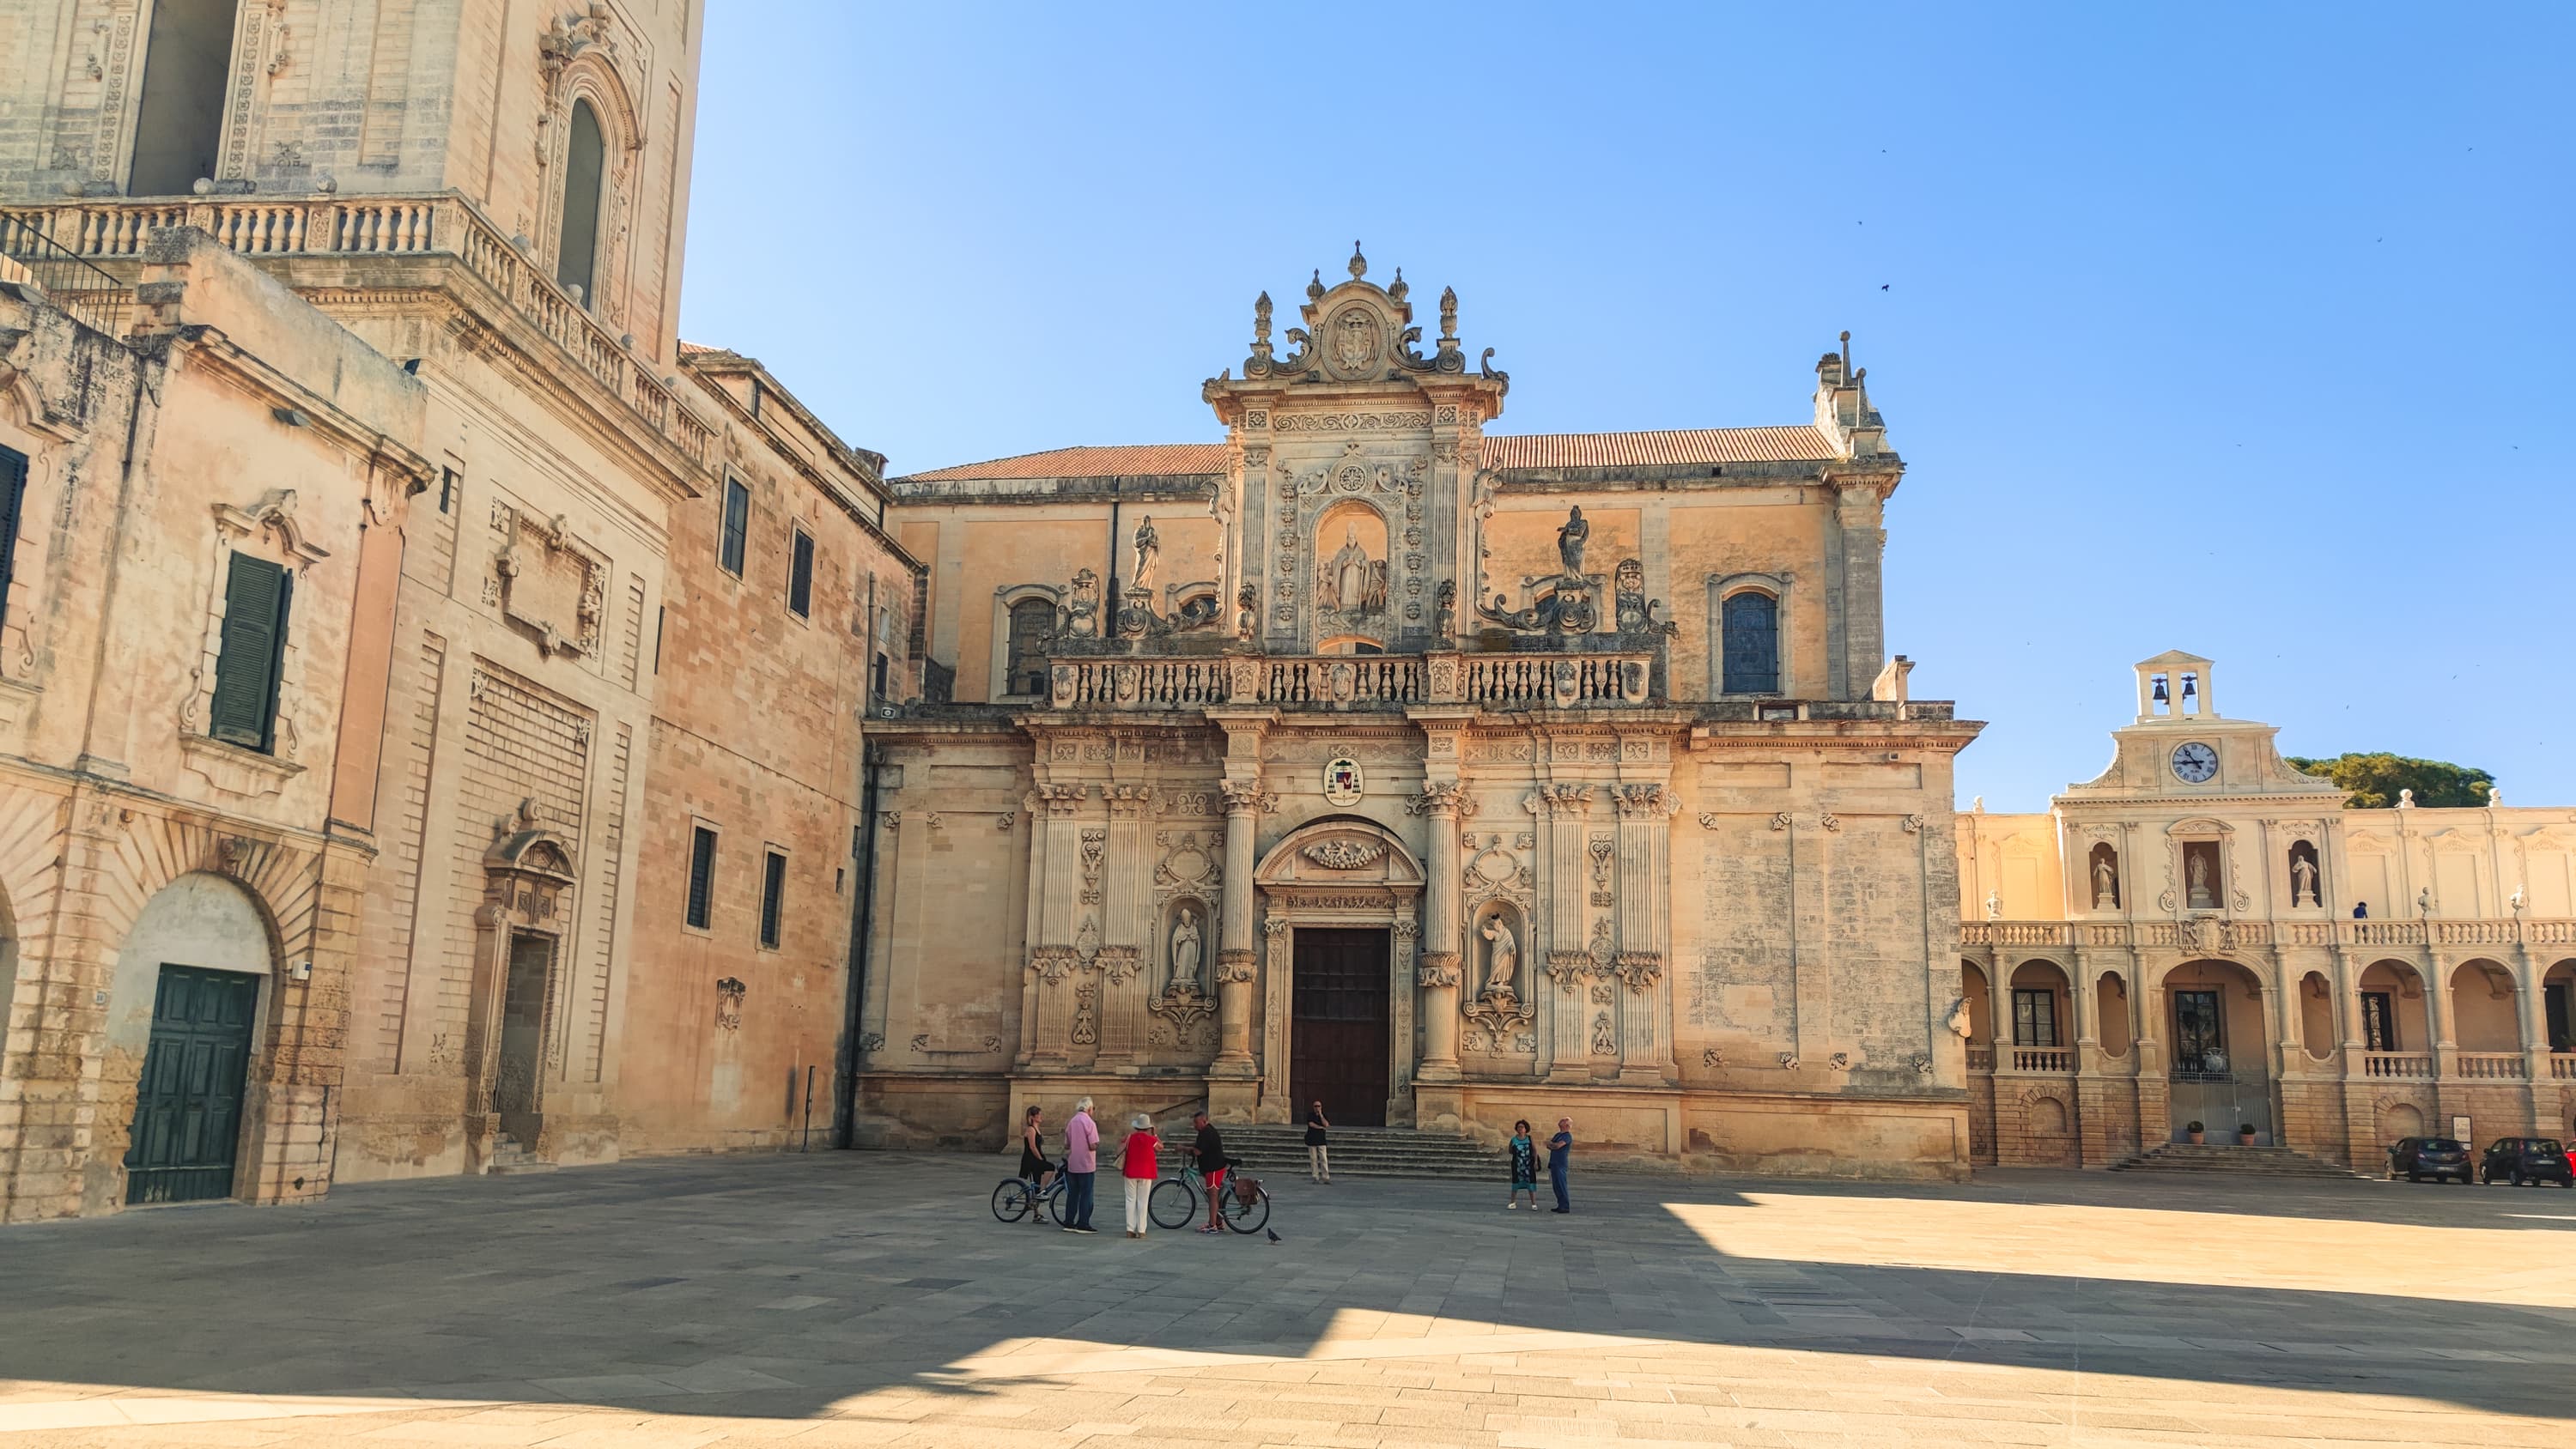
{"type": "Point", "coordinates": [2520, 1160]}
{"type": "Point", "coordinates": [2434, 1157]}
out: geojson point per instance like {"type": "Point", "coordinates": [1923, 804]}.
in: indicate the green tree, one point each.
{"type": "Point", "coordinates": [2374, 780]}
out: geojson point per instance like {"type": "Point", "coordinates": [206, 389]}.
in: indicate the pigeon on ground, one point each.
{"type": "Point", "coordinates": [1274, 1236]}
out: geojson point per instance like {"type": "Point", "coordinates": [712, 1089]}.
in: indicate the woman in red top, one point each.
{"type": "Point", "coordinates": [1137, 1163]}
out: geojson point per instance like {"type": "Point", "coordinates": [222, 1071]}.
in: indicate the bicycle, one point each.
{"type": "Point", "coordinates": [1174, 1202]}
{"type": "Point", "coordinates": [1016, 1197]}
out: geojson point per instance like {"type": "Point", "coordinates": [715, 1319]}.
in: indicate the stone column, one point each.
{"type": "Point", "coordinates": [1999, 1005]}
{"type": "Point", "coordinates": [1644, 865]}
{"type": "Point", "coordinates": [1052, 958]}
{"type": "Point", "coordinates": [2530, 1008]}
{"type": "Point", "coordinates": [1562, 810]}
{"type": "Point", "coordinates": [1234, 957]}
{"type": "Point", "coordinates": [1124, 929]}
{"type": "Point", "coordinates": [1031, 928]}
{"type": "Point", "coordinates": [1443, 963]}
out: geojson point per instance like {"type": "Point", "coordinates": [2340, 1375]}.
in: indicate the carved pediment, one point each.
{"type": "Point", "coordinates": [2200, 825]}
{"type": "Point", "coordinates": [1340, 853]}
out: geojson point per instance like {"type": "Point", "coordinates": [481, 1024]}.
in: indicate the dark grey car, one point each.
{"type": "Point", "coordinates": [2434, 1157]}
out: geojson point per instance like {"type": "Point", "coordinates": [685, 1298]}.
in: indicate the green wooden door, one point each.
{"type": "Point", "coordinates": [187, 1112]}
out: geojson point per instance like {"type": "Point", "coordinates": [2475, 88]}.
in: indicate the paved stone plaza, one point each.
{"type": "Point", "coordinates": [869, 1299]}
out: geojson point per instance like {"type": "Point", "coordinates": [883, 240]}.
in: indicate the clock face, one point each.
{"type": "Point", "coordinates": [2195, 763]}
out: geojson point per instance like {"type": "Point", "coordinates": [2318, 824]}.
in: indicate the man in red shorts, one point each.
{"type": "Point", "coordinates": [1210, 1150]}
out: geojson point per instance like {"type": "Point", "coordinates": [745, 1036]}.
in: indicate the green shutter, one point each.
{"type": "Point", "coordinates": [254, 648]}
{"type": "Point", "coordinates": [800, 577]}
{"type": "Point", "coordinates": [13, 488]}
{"type": "Point", "coordinates": [702, 876]}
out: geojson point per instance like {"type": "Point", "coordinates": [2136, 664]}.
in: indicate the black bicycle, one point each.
{"type": "Point", "coordinates": [1175, 1201]}
{"type": "Point", "coordinates": [1017, 1197]}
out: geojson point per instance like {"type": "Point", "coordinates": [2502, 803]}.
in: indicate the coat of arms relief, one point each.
{"type": "Point", "coordinates": [548, 582]}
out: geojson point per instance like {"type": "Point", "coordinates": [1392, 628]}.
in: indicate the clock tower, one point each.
{"type": "Point", "coordinates": [2179, 825]}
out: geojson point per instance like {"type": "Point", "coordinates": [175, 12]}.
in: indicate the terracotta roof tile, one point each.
{"type": "Point", "coordinates": [1144, 460]}
{"type": "Point", "coordinates": [1639, 450]}
{"type": "Point", "coordinates": [1529, 450]}
{"type": "Point", "coordinates": [691, 349]}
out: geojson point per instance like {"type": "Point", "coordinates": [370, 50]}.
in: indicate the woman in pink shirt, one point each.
{"type": "Point", "coordinates": [1138, 1164]}
{"type": "Point", "coordinates": [1081, 1160]}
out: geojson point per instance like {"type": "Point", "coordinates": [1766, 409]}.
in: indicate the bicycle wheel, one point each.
{"type": "Point", "coordinates": [1247, 1217]}
{"type": "Point", "coordinates": [1172, 1203]}
{"type": "Point", "coordinates": [1011, 1200]}
{"type": "Point", "coordinates": [1060, 1203]}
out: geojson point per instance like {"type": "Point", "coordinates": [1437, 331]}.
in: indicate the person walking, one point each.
{"type": "Point", "coordinates": [1081, 1162]}
{"type": "Point", "coordinates": [1209, 1148]}
{"type": "Point", "coordinates": [1319, 1166]}
{"type": "Point", "coordinates": [1033, 1161]}
{"type": "Point", "coordinates": [1136, 1163]}
{"type": "Point", "coordinates": [1524, 1167]}
{"type": "Point", "coordinates": [1560, 1157]}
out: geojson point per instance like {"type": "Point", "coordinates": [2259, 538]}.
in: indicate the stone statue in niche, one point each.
{"type": "Point", "coordinates": [1502, 957]}
{"type": "Point", "coordinates": [1149, 549]}
{"type": "Point", "coordinates": [2196, 874]}
{"type": "Point", "coordinates": [2303, 881]}
{"type": "Point", "coordinates": [1570, 540]}
{"type": "Point", "coordinates": [1185, 950]}
{"type": "Point", "coordinates": [1351, 582]}
{"type": "Point", "coordinates": [2106, 881]}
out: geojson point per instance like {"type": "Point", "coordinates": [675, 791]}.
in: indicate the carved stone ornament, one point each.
{"type": "Point", "coordinates": [1788, 1061]}
{"type": "Point", "coordinates": [1958, 1022]}
{"type": "Point", "coordinates": [1605, 1038]}
{"type": "Point", "coordinates": [1345, 854]}
{"type": "Point", "coordinates": [1234, 967]}
{"type": "Point", "coordinates": [551, 584]}
{"type": "Point", "coordinates": [729, 994]}
{"type": "Point", "coordinates": [1342, 781]}
{"type": "Point", "coordinates": [1639, 970]}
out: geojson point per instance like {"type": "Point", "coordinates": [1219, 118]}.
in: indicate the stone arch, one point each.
{"type": "Point", "coordinates": [209, 919]}
{"type": "Point", "coordinates": [1396, 867]}
{"type": "Point", "coordinates": [1977, 990]}
{"type": "Point", "coordinates": [2316, 1016]}
{"type": "Point", "coordinates": [2039, 1021]}
{"type": "Point", "coordinates": [2485, 1014]}
{"type": "Point", "coordinates": [282, 879]}
{"type": "Point", "coordinates": [1347, 524]}
{"type": "Point", "coordinates": [2111, 1013]}
{"type": "Point", "coordinates": [2044, 1114]}
{"type": "Point", "coordinates": [2409, 1022]}
{"type": "Point", "coordinates": [1012, 604]}
{"type": "Point", "coordinates": [2396, 1117]}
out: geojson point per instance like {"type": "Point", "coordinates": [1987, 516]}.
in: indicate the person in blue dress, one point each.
{"type": "Point", "coordinates": [1524, 1167]}
{"type": "Point", "coordinates": [1560, 1157]}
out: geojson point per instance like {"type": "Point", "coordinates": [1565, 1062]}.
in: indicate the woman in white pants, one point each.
{"type": "Point", "coordinates": [1137, 1165]}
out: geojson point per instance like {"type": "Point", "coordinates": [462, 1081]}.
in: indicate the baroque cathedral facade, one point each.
{"type": "Point", "coordinates": [1444, 776]}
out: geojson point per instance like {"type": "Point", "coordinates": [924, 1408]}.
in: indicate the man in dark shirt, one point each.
{"type": "Point", "coordinates": [1560, 1159]}
{"type": "Point", "coordinates": [1210, 1150]}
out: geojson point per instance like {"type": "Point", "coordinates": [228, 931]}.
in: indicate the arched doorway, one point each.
{"type": "Point", "coordinates": [187, 1000]}
{"type": "Point", "coordinates": [2042, 1028]}
{"type": "Point", "coordinates": [2396, 1021]}
{"type": "Point", "coordinates": [514, 1033]}
{"type": "Point", "coordinates": [2220, 1072]}
{"type": "Point", "coordinates": [1338, 911]}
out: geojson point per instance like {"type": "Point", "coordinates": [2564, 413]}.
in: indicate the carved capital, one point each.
{"type": "Point", "coordinates": [1438, 969]}
{"type": "Point", "coordinates": [1639, 970]}
{"type": "Point", "coordinates": [1244, 797]}
{"type": "Point", "coordinates": [1119, 963]}
{"type": "Point", "coordinates": [1234, 966]}
{"type": "Point", "coordinates": [1440, 799]}
{"type": "Point", "coordinates": [1646, 802]}
{"type": "Point", "coordinates": [1569, 968]}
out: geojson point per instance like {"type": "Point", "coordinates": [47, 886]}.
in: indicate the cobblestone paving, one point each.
{"type": "Point", "coordinates": [862, 1299]}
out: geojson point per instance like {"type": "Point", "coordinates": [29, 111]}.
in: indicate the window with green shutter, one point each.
{"type": "Point", "coordinates": [13, 488]}
{"type": "Point", "coordinates": [257, 594]}
{"type": "Point", "coordinates": [736, 527]}
{"type": "Point", "coordinates": [702, 876]}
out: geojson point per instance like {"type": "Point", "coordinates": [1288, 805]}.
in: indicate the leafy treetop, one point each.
{"type": "Point", "coordinates": [2373, 780]}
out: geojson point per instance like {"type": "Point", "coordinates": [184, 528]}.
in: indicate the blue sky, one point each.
{"type": "Point", "coordinates": [2235, 330]}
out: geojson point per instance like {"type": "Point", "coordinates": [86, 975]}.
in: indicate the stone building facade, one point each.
{"type": "Point", "coordinates": [202, 512]}
{"type": "Point", "coordinates": [1450, 777]}
{"type": "Point", "coordinates": [483, 204]}
{"type": "Point", "coordinates": [2204, 934]}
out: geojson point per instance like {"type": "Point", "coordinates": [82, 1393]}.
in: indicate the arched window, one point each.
{"type": "Point", "coordinates": [585, 159]}
{"type": "Point", "coordinates": [1032, 629]}
{"type": "Point", "coordinates": [1750, 643]}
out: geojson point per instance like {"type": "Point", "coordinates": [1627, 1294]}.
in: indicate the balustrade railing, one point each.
{"type": "Point", "coordinates": [2562, 1066]}
{"type": "Point", "coordinates": [2042, 1059]}
{"type": "Point", "coordinates": [2499, 931]}
{"type": "Point", "coordinates": [440, 223]}
{"type": "Point", "coordinates": [1353, 681]}
{"type": "Point", "coordinates": [2397, 1064]}
{"type": "Point", "coordinates": [2489, 1066]}
{"type": "Point", "coordinates": [1981, 1059]}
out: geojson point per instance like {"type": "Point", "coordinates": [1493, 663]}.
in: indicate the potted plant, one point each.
{"type": "Point", "coordinates": [2194, 1129]}
{"type": "Point", "coordinates": [2244, 1134]}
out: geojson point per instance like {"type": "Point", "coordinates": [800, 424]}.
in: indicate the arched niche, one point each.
{"type": "Point", "coordinates": [1352, 566]}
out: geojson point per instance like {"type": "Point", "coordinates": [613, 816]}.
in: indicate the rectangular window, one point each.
{"type": "Point", "coordinates": [877, 679]}
{"type": "Point", "coordinates": [737, 526]}
{"type": "Point", "coordinates": [13, 490]}
{"type": "Point", "coordinates": [446, 489]}
{"type": "Point", "coordinates": [2034, 1018]}
{"type": "Point", "coordinates": [702, 877]}
{"type": "Point", "coordinates": [257, 594]}
{"type": "Point", "coordinates": [773, 890]}
{"type": "Point", "coordinates": [2378, 1022]}
{"type": "Point", "coordinates": [2554, 1008]}
{"type": "Point", "coordinates": [661, 616]}
{"type": "Point", "coordinates": [800, 577]}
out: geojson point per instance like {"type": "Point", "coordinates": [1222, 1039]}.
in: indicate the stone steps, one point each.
{"type": "Point", "coordinates": [2225, 1160]}
{"type": "Point", "coordinates": [1273, 1150]}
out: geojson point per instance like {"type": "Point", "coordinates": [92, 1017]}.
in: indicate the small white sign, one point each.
{"type": "Point", "coordinates": [2460, 1128]}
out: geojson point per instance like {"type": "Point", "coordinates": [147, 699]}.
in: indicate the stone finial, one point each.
{"type": "Point", "coordinates": [1315, 287]}
{"type": "Point", "coordinates": [1261, 319]}
{"type": "Point", "coordinates": [1448, 314]}
{"type": "Point", "coordinates": [1359, 264]}
{"type": "Point", "coordinates": [1399, 286]}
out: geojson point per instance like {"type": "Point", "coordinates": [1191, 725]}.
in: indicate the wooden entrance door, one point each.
{"type": "Point", "coordinates": [517, 1088]}
{"type": "Point", "coordinates": [1338, 1038]}
{"type": "Point", "coordinates": [187, 1108]}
